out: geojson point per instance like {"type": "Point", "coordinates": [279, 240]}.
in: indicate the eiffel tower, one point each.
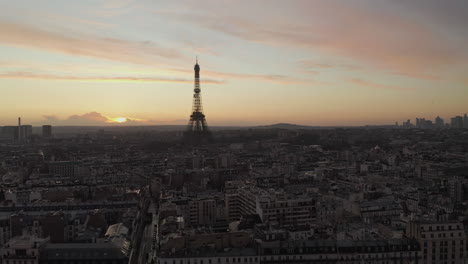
{"type": "Point", "coordinates": [197, 129]}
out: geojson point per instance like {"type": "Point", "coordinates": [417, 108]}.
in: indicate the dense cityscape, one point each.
{"type": "Point", "coordinates": [271, 194]}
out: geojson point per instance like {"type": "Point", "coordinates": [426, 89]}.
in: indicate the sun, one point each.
{"type": "Point", "coordinates": [120, 119]}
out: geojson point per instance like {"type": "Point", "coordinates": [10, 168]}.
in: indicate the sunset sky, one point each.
{"type": "Point", "coordinates": [310, 62]}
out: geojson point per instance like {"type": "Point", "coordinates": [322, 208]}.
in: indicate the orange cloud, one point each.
{"type": "Point", "coordinates": [273, 78]}
{"type": "Point", "coordinates": [378, 85]}
{"type": "Point", "coordinates": [33, 76]}
{"type": "Point", "coordinates": [91, 116]}
{"type": "Point", "coordinates": [22, 70]}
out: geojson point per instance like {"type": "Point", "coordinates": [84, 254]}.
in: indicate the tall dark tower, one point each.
{"type": "Point", "coordinates": [197, 129]}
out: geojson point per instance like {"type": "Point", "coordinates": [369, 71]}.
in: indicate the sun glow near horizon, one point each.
{"type": "Point", "coordinates": [119, 120]}
{"type": "Point", "coordinates": [126, 120]}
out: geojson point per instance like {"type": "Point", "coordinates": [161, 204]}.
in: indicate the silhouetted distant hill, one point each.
{"type": "Point", "coordinates": [287, 126]}
{"type": "Point", "coordinates": [295, 126]}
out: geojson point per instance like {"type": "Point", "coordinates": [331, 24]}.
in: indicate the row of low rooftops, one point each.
{"type": "Point", "coordinates": [305, 247]}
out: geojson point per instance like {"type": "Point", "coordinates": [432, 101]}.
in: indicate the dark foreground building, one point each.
{"type": "Point", "coordinates": [102, 253]}
{"type": "Point", "coordinates": [402, 251]}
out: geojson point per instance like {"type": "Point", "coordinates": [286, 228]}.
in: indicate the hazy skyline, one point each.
{"type": "Point", "coordinates": [307, 62]}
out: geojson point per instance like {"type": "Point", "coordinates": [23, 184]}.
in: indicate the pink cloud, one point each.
{"type": "Point", "coordinates": [313, 66]}
{"type": "Point", "coordinates": [110, 49]}
{"type": "Point", "coordinates": [385, 40]}
{"type": "Point", "coordinates": [143, 52]}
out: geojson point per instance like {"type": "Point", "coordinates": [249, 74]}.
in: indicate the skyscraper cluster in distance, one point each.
{"type": "Point", "coordinates": [457, 122]}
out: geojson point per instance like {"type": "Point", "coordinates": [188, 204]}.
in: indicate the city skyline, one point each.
{"type": "Point", "coordinates": [124, 62]}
